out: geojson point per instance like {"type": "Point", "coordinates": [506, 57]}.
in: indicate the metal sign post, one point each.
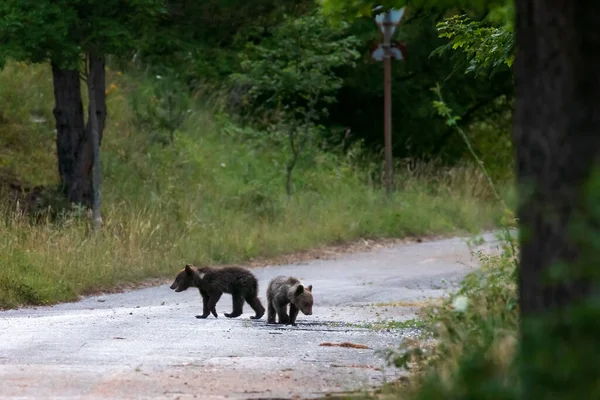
{"type": "Point", "coordinates": [388, 22]}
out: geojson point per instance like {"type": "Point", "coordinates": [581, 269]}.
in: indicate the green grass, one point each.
{"type": "Point", "coordinates": [213, 197]}
{"type": "Point", "coordinates": [393, 324]}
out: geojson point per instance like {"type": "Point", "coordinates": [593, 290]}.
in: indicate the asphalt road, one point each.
{"type": "Point", "coordinates": [147, 343]}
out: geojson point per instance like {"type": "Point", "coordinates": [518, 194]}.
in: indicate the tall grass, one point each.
{"type": "Point", "coordinates": [211, 197]}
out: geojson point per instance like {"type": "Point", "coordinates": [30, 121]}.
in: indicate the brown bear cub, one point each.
{"type": "Point", "coordinates": [283, 290]}
{"type": "Point", "coordinates": [213, 282]}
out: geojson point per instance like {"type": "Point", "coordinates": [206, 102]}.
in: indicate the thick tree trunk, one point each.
{"type": "Point", "coordinates": [557, 138]}
{"type": "Point", "coordinates": [74, 144]}
{"type": "Point", "coordinates": [68, 113]}
{"type": "Point", "coordinates": [557, 142]}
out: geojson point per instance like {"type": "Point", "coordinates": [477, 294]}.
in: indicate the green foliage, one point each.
{"type": "Point", "coordinates": [292, 73]}
{"type": "Point", "coordinates": [417, 132]}
{"type": "Point", "coordinates": [162, 107]}
{"type": "Point", "coordinates": [484, 51]}
{"type": "Point", "coordinates": [27, 138]}
{"type": "Point", "coordinates": [348, 10]}
{"type": "Point", "coordinates": [503, 14]}
{"type": "Point", "coordinates": [202, 39]}
{"type": "Point", "coordinates": [556, 362]}
{"type": "Point", "coordinates": [203, 42]}
{"type": "Point", "coordinates": [487, 48]}
{"type": "Point", "coordinates": [61, 31]}
{"type": "Point", "coordinates": [446, 112]}
{"type": "Point", "coordinates": [562, 331]}
{"type": "Point", "coordinates": [294, 69]}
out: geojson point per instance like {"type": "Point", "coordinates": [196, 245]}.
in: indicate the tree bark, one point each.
{"type": "Point", "coordinates": [74, 144]}
{"type": "Point", "coordinates": [95, 76]}
{"type": "Point", "coordinates": [557, 143]}
{"type": "Point", "coordinates": [68, 113]}
{"type": "Point", "coordinates": [292, 162]}
{"type": "Point", "coordinates": [557, 138]}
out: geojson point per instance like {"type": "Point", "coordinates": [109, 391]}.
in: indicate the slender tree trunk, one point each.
{"type": "Point", "coordinates": [292, 163]}
{"type": "Point", "coordinates": [74, 145]}
{"type": "Point", "coordinates": [95, 76]}
{"type": "Point", "coordinates": [557, 142]}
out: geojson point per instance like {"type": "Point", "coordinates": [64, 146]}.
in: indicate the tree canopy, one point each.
{"type": "Point", "coordinates": [62, 31]}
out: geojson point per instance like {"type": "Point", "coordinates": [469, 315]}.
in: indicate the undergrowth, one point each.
{"type": "Point", "coordinates": [204, 191]}
{"type": "Point", "coordinates": [469, 339]}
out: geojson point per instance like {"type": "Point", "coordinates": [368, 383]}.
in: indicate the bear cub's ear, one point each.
{"type": "Point", "coordinates": [188, 269]}
{"type": "Point", "coordinates": [299, 290]}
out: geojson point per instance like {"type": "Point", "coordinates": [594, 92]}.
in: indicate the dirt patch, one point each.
{"type": "Point", "coordinates": [13, 191]}
{"type": "Point", "coordinates": [37, 202]}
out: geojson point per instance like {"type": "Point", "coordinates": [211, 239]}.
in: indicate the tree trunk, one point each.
{"type": "Point", "coordinates": [95, 76]}
{"type": "Point", "coordinates": [557, 142]}
{"type": "Point", "coordinates": [68, 113]}
{"type": "Point", "coordinates": [292, 163]}
{"type": "Point", "coordinates": [557, 138]}
{"type": "Point", "coordinates": [73, 137]}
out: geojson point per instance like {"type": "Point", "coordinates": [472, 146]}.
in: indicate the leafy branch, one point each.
{"type": "Point", "coordinates": [487, 48]}
{"type": "Point", "coordinates": [451, 120]}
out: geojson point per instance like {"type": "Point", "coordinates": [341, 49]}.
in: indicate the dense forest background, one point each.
{"type": "Point", "coordinates": [216, 42]}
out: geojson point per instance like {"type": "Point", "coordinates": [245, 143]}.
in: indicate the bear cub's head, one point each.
{"type": "Point", "coordinates": [303, 299]}
{"type": "Point", "coordinates": [184, 279]}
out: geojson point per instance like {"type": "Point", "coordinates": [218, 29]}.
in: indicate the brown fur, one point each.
{"type": "Point", "coordinates": [213, 282]}
{"type": "Point", "coordinates": [284, 290]}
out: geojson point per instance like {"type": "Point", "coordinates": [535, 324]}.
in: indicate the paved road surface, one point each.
{"type": "Point", "coordinates": [147, 344]}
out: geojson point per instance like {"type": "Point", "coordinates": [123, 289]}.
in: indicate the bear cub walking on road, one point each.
{"type": "Point", "coordinates": [213, 282]}
{"type": "Point", "coordinates": [283, 290]}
